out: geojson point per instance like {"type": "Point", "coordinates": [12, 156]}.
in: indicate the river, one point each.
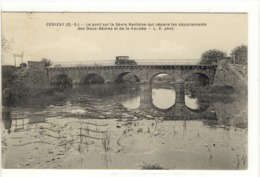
{"type": "Point", "coordinates": [115, 132]}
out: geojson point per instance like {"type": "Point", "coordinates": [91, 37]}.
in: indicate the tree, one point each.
{"type": "Point", "coordinates": [6, 45]}
{"type": "Point", "coordinates": [211, 56]}
{"type": "Point", "coordinates": [47, 62]}
{"type": "Point", "coordinates": [239, 55]}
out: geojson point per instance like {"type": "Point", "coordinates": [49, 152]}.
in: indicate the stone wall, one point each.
{"type": "Point", "coordinates": [225, 75]}
{"type": "Point", "coordinates": [36, 65]}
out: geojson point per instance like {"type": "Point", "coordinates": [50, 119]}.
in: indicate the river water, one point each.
{"type": "Point", "coordinates": [114, 132]}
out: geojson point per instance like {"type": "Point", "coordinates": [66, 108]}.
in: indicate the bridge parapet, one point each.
{"type": "Point", "coordinates": [136, 66]}
{"type": "Point", "coordinates": [149, 62]}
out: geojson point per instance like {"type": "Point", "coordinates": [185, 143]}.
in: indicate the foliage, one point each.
{"type": "Point", "coordinates": [20, 73]}
{"type": "Point", "coordinates": [13, 86]}
{"type": "Point", "coordinates": [47, 62]}
{"type": "Point", "coordinates": [147, 166]}
{"type": "Point", "coordinates": [211, 89]}
{"type": "Point", "coordinates": [211, 56]}
{"type": "Point", "coordinates": [7, 76]}
{"type": "Point", "coordinates": [198, 79]}
{"type": "Point", "coordinates": [239, 54]}
{"type": "Point", "coordinates": [12, 76]}
{"type": "Point", "coordinates": [14, 93]}
{"type": "Point", "coordinates": [62, 81]}
{"type": "Point", "coordinates": [6, 45]}
{"type": "Point", "coordinates": [222, 89]}
{"type": "Point", "coordinates": [240, 122]}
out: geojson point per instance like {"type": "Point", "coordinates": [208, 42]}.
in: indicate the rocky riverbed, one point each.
{"type": "Point", "coordinates": [92, 134]}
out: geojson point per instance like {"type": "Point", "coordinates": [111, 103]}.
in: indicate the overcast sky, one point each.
{"type": "Point", "coordinates": [66, 44]}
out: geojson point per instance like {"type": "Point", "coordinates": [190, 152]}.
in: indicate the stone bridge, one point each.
{"type": "Point", "coordinates": [40, 77]}
{"type": "Point", "coordinates": [144, 73]}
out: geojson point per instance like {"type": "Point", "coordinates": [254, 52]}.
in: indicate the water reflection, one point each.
{"type": "Point", "coordinates": [7, 119]}
{"type": "Point", "coordinates": [37, 118]}
{"type": "Point", "coordinates": [191, 103]}
{"type": "Point", "coordinates": [132, 103]}
{"type": "Point", "coordinates": [163, 98]}
{"type": "Point", "coordinates": [88, 131]}
{"type": "Point", "coordinates": [196, 103]}
{"type": "Point", "coordinates": [22, 119]}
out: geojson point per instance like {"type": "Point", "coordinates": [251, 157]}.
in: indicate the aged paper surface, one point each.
{"type": "Point", "coordinates": [125, 91]}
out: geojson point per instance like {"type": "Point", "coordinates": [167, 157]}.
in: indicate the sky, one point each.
{"type": "Point", "coordinates": [62, 44]}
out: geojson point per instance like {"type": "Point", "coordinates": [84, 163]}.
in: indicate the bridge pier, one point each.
{"type": "Point", "coordinates": [180, 92]}
{"type": "Point", "coordinates": [145, 95]}
{"type": "Point", "coordinates": [180, 99]}
{"type": "Point", "coordinates": [75, 84]}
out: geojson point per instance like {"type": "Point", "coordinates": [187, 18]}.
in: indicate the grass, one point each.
{"type": "Point", "coordinates": [106, 141]}
{"type": "Point", "coordinates": [147, 166]}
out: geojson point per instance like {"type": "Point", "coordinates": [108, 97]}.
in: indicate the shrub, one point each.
{"type": "Point", "coordinates": [223, 89]}
{"type": "Point", "coordinates": [147, 166]}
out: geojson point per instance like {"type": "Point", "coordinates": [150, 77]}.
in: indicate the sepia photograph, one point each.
{"type": "Point", "coordinates": [133, 91]}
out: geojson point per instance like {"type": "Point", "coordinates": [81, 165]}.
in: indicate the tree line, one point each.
{"type": "Point", "coordinates": [237, 56]}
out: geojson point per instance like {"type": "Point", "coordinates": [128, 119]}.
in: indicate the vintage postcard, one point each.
{"type": "Point", "coordinates": [132, 91]}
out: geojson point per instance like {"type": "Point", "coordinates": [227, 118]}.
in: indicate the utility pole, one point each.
{"type": "Point", "coordinates": [22, 59]}
{"type": "Point", "coordinates": [18, 55]}
{"type": "Point", "coordinates": [14, 60]}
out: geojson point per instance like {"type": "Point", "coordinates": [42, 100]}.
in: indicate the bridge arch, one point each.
{"type": "Point", "coordinates": [92, 78]}
{"type": "Point", "coordinates": [145, 73]}
{"type": "Point", "coordinates": [159, 73]}
{"type": "Point", "coordinates": [119, 78]}
{"type": "Point", "coordinates": [163, 95]}
{"type": "Point", "coordinates": [61, 81]}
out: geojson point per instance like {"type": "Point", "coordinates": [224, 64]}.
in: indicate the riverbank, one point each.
{"type": "Point", "coordinates": [69, 133]}
{"type": "Point", "coordinates": [67, 139]}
